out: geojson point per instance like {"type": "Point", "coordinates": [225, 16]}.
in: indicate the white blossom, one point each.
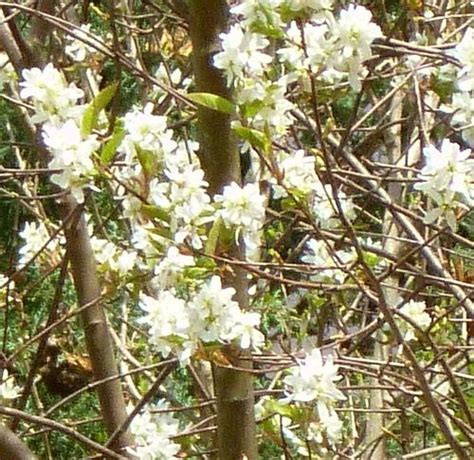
{"type": "Point", "coordinates": [415, 311]}
{"type": "Point", "coordinates": [50, 93]}
{"type": "Point", "coordinates": [169, 268]}
{"type": "Point", "coordinates": [325, 209]}
{"type": "Point", "coordinates": [448, 179]}
{"type": "Point", "coordinates": [464, 51]}
{"type": "Point", "coordinates": [79, 46]}
{"type": "Point", "coordinates": [355, 32]}
{"type": "Point", "coordinates": [241, 54]}
{"type": "Point", "coordinates": [152, 432]}
{"type": "Point", "coordinates": [8, 389]}
{"type": "Point", "coordinates": [241, 206]}
{"type": "Point", "coordinates": [148, 132]}
{"type": "Point", "coordinates": [72, 154]}
{"type": "Point", "coordinates": [462, 109]}
{"type": "Point", "coordinates": [35, 236]}
{"type": "Point", "coordinates": [166, 318]}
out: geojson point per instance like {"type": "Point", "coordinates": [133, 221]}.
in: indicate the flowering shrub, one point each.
{"type": "Point", "coordinates": [351, 219]}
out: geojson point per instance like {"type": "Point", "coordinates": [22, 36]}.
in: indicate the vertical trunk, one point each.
{"type": "Point", "coordinates": [98, 341]}
{"type": "Point", "coordinates": [221, 163]}
{"type": "Point", "coordinates": [12, 447]}
{"type": "Point", "coordinates": [375, 438]}
{"type": "Point", "coordinates": [87, 286]}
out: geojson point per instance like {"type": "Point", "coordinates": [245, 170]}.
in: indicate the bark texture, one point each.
{"type": "Point", "coordinates": [221, 164]}
{"type": "Point", "coordinates": [11, 446]}
{"type": "Point", "coordinates": [86, 282]}
{"type": "Point", "coordinates": [99, 345]}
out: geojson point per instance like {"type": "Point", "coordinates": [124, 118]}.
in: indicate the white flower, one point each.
{"type": "Point", "coordinates": [415, 311]}
{"type": "Point", "coordinates": [49, 92]}
{"type": "Point", "coordinates": [316, 5]}
{"type": "Point", "coordinates": [274, 108]}
{"type": "Point", "coordinates": [255, 11]}
{"type": "Point", "coordinates": [167, 318]}
{"type": "Point", "coordinates": [213, 311]}
{"type": "Point", "coordinates": [330, 420]}
{"type": "Point", "coordinates": [125, 262]}
{"type": "Point", "coordinates": [152, 433]}
{"type": "Point", "coordinates": [464, 51]}
{"type": "Point", "coordinates": [8, 389]}
{"type": "Point", "coordinates": [78, 47]}
{"type": "Point", "coordinates": [72, 154]}
{"type": "Point", "coordinates": [313, 380]}
{"type": "Point", "coordinates": [326, 262]}
{"type": "Point", "coordinates": [462, 108]}
{"type": "Point", "coordinates": [355, 31]}
{"type": "Point", "coordinates": [325, 209]}
{"type": "Point", "coordinates": [35, 236]}
{"type": "Point", "coordinates": [147, 132]}
{"type": "Point", "coordinates": [447, 169]}
{"type": "Point", "coordinates": [104, 250]}
{"type": "Point", "coordinates": [159, 193]}
{"type": "Point", "coordinates": [298, 171]}
{"type": "Point", "coordinates": [320, 46]}
{"type": "Point", "coordinates": [174, 78]}
{"type": "Point", "coordinates": [241, 53]}
{"type": "Point", "coordinates": [167, 271]}
{"type": "Point", "coordinates": [241, 206]}
{"type": "Point", "coordinates": [188, 187]}
{"type": "Point", "coordinates": [245, 329]}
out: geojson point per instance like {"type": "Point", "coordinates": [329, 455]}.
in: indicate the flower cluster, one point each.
{"type": "Point", "coordinates": [242, 208]}
{"type": "Point", "coordinates": [55, 103]}
{"type": "Point", "coordinates": [415, 312]}
{"type": "Point", "coordinates": [448, 179]}
{"type": "Point", "coordinates": [313, 381]}
{"type": "Point", "coordinates": [80, 45]}
{"type": "Point", "coordinates": [36, 238]}
{"type": "Point", "coordinates": [178, 326]}
{"type": "Point", "coordinates": [71, 155]}
{"type": "Point", "coordinates": [8, 389]}
{"type": "Point", "coordinates": [152, 432]}
{"type": "Point", "coordinates": [53, 99]}
{"type": "Point", "coordinates": [462, 104]}
{"type": "Point", "coordinates": [328, 264]}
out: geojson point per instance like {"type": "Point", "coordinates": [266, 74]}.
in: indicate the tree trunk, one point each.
{"type": "Point", "coordinates": [221, 163]}
{"type": "Point", "coordinates": [99, 345]}
{"type": "Point", "coordinates": [87, 286]}
{"type": "Point", "coordinates": [11, 447]}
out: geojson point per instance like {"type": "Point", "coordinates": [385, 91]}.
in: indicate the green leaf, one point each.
{"type": "Point", "coordinates": [213, 102]}
{"type": "Point", "coordinates": [147, 161]}
{"type": "Point", "coordinates": [255, 138]}
{"type": "Point", "coordinates": [156, 213]}
{"type": "Point", "coordinates": [99, 103]}
{"type": "Point", "coordinates": [112, 145]}
{"type": "Point", "coordinates": [213, 237]}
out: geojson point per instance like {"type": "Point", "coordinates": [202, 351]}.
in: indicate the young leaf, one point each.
{"type": "Point", "coordinates": [156, 213]}
{"type": "Point", "coordinates": [99, 103]}
{"type": "Point", "coordinates": [112, 145]}
{"type": "Point", "coordinates": [148, 161]}
{"type": "Point", "coordinates": [213, 102]}
{"type": "Point", "coordinates": [254, 137]}
{"type": "Point", "coordinates": [213, 237]}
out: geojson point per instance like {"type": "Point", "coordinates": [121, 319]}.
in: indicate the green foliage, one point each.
{"type": "Point", "coordinates": [110, 148]}
{"type": "Point", "coordinates": [90, 118]}
{"type": "Point", "coordinates": [213, 102]}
